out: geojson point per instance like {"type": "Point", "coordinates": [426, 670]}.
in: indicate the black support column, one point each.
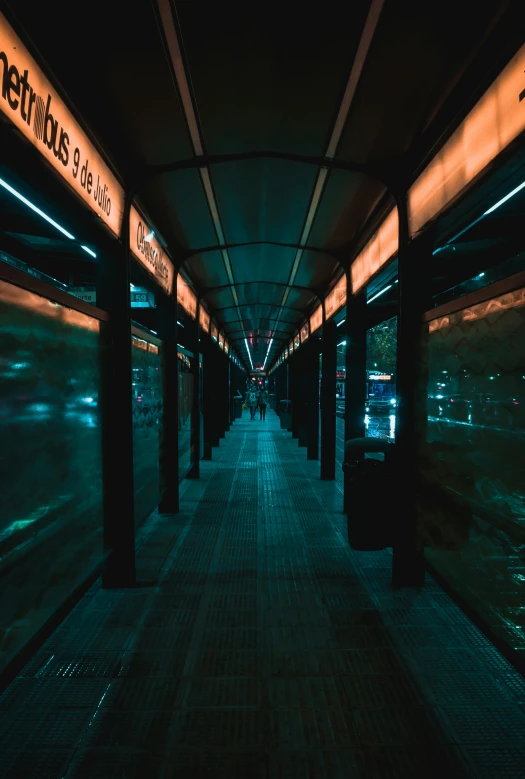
{"type": "Point", "coordinates": [209, 396]}
{"type": "Point", "coordinates": [113, 296]}
{"type": "Point", "coordinates": [169, 439]}
{"type": "Point", "coordinates": [328, 407]}
{"type": "Point", "coordinates": [311, 384]}
{"type": "Point", "coordinates": [355, 385]}
{"type": "Point", "coordinates": [192, 331]}
{"type": "Point", "coordinates": [411, 419]}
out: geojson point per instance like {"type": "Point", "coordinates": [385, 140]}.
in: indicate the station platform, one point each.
{"type": "Point", "coordinates": [258, 644]}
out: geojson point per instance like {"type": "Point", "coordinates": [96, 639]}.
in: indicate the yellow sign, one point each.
{"type": "Point", "coordinates": [186, 297]}
{"type": "Point", "coordinates": [149, 252]}
{"type": "Point", "coordinates": [379, 249]}
{"type": "Point", "coordinates": [496, 120]}
{"type": "Point", "coordinates": [30, 102]}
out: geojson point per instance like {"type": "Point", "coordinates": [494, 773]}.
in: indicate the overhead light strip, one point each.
{"type": "Point", "coordinates": [351, 86]}
{"type": "Point", "coordinates": [484, 214]}
{"type": "Point", "coordinates": [37, 210]}
{"type": "Point", "coordinates": [268, 352]}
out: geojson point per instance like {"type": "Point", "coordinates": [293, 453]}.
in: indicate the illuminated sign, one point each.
{"type": "Point", "coordinates": [380, 376]}
{"type": "Point", "coordinates": [336, 298]}
{"type": "Point", "coordinates": [316, 320]}
{"type": "Point", "coordinates": [186, 297]}
{"type": "Point", "coordinates": [221, 340]}
{"type": "Point", "coordinates": [226, 347]}
{"type": "Point", "coordinates": [496, 120]}
{"type": "Point", "coordinates": [291, 347]}
{"type": "Point", "coordinates": [30, 102]}
{"type": "Point", "coordinates": [214, 331]}
{"type": "Point", "coordinates": [296, 341]}
{"type": "Point", "coordinates": [379, 249]}
{"type": "Point", "coordinates": [304, 332]}
{"type": "Point", "coordinates": [204, 319]}
{"type": "Point", "coordinates": [85, 294]}
{"type": "Point", "coordinates": [340, 374]}
{"type": "Point", "coordinates": [149, 252]}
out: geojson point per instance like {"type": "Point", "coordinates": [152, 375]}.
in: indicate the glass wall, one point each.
{"type": "Point", "coordinates": [50, 459]}
{"type": "Point", "coordinates": [147, 422]}
{"type": "Point", "coordinates": [381, 351]}
{"type": "Point", "coordinates": [473, 464]}
{"type": "Point", "coordinates": [185, 412]}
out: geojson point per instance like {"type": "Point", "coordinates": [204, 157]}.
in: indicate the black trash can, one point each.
{"type": "Point", "coordinates": [271, 400]}
{"type": "Point", "coordinates": [371, 499]}
{"type": "Point", "coordinates": [237, 405]}
{"type": "Point", "coordinates": [285, 414]}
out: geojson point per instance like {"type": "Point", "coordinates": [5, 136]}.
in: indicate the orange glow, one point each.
{"type": "Point", "coordinates": [214, 331]}
{"type": "Point", "coordinates": [513, 299]}
{"type": "Point", "coordinates": [336, 298]}
{"type": "Point", "coordinates": [304, 332]}
{"type": "Point", "coordinates": [204, 319]}
{"type": "Point", "coordinates": [150, 253]}
{"type": "Point", "coordinates": [316, 320]}
{"type": "Point", "coordinates": [379, 249]}
{"type": "Point", "coordinates": [496, 120]}
{"type": "Point", "coordinates": [139, 343]}
{"type": "Point", "coordinates": [438, 324]}
{"type": "Point", "coordinates": [16, 296]}
{"type": "Point", "coordinates": [186, 297]}
{"type": "Point", "coordinates": [30, 102]}
{"type": "Point", "coordinates": [226, 347]}
{"type": "Point", "coordinates": [221, 340]}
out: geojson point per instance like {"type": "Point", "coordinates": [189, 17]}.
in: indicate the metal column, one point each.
{"type": "Point", "coordinates": [414, 260]}
{"type": "Point", "coordinates": [355, 385]}
{"type": "Point", "coordinates": [169, 441]}
{"type": "Point", "coordinates": [311, 375]}
{"type": "Point", "coordinates": [192, 330]}
{"type": "Point", "coordinates": [113, 295]}
{"type": "Point", "coordinates": [328, 406]}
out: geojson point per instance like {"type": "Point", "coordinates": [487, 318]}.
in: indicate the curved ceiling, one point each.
{"type": "Point", "coordinates": [160, 81]}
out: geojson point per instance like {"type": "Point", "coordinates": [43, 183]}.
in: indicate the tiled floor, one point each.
{"type": "Point", "coordinates": [260, 645]}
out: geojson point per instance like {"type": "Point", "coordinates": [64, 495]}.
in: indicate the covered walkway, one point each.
{"type": "Point", "coordinates": [257, 644]}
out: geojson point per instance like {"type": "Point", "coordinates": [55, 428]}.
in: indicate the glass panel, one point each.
{"type": "Point", "coordinates": [147, 422]}
{"type": "Point", "coordinates": [185, 412]}
{"type": "Point", "coordinates": [473, 515]}
{"type": "Point", "coordinates": [380, 409]}
{"type": "Point", "coordinates": [50, 462]}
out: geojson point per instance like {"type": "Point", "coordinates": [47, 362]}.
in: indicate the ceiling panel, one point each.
{"type": "Point", "coordinates": [269, 77]}
{"type": "Point", "coordinates": [263, 200]}
{"type": "Point", "coordinates": [262, 263]}
{"type": "Point", "coordinates": [207, 270]}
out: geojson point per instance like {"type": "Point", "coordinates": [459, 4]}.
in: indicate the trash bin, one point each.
{"type": "Point", "coordinates": [271, 400]}
{"type": "Point", "coordinates": [370, 500]}
{"type": "Point", "coordinates": [237, 406]}
{"type": "Point", "coordinates": [285, 414]}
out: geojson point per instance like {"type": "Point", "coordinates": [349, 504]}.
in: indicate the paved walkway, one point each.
{"type": "Point", "coordinates": [261, 646]}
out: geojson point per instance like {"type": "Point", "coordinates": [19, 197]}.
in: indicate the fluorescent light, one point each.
{"type": "Point", "coordinates": [504, 199]}
{"type": "Point", "coordinates": [379, 293]}
{"type": "Point", "coordinates": [88, 250]}
{"type": "Point", "coordinates": [34, 208]}
{"type": "Point", "coordinates": [485, 213]}
{"type": "Point", "coordinates": [343, 343]}
{"type": "Point", "coordinates": [180, 323]}
{"type": "Point", "coordinates": [341, 322]}
{"type": "Point", "coordinates": [268, 352]}
{"type": "Point", "coordinates": [248, 350]}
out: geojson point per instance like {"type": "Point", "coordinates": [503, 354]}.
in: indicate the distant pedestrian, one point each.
{"type": "Point", "coordinates": [251, 402]}
{"type": "Point", "coordinates": [263, 402]}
